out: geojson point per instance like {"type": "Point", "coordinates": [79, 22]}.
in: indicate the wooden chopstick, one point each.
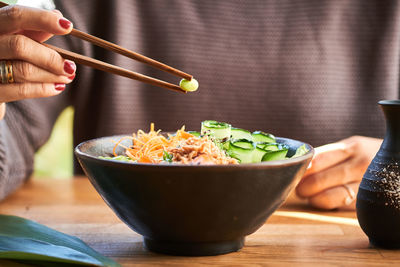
{"type": "Point", "coordinates": [133, 55]}
{"type": "Point", "coordinates": [103, 66]}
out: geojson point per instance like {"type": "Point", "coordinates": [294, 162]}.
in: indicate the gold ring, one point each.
{"type": "Point", "coordinates": [6, 72]}
{"type": "Point", "coordinates": [352, 195]}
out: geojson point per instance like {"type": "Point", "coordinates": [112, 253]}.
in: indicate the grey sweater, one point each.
{"type": "Point", "coordinates": [309, 70]}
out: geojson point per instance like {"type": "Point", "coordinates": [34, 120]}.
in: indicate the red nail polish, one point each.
{"type": "Point", "coordinates": [71, 77]}
{"type": "Point", "coordinates": [69, 67]}
{"type": "Point", "coordinates": [64, 23]}
{"type": "Point", "coordinates": [59, 86]}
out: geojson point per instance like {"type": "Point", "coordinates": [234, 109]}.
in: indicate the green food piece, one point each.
{"type": "Point", "coordinates": [244, 146]}
{"type": "Point", "coordinates": [241, 150]}
{"type": "Point", "coordinates": [167, 157]}
{"type": "Point", "coordinates": [266, 148]}
{"type": "Point", "coordinates": [275, 155]}
{"type": "Point", "coordinates": [258, 154]}
{"type": "Point", "coordinates": [215, 129]}
{"type": "Point", "coordinates": [189, 86]}
{"type": "Point", "coordinates": [300, 151]}
{"type": "Point", "coordinates": [237, 133]}
{"type": "Point", "coordinates": [269, 146]}
{"type": "Point", "coordinates": [225, 145]}
{"type": "Point", "coordinates": [197, 134]}
{"type": "Point", "coordinates": [22, 239]}
{"type": "Point", "coordinates": [119, 158]}
{"type": "Point", "coordinates": [244, 143]}
{"type": "Point", "coordinates": [259, 137]}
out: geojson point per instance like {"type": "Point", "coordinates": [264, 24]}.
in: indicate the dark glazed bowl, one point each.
{"type": "Point", "coordinates": [188, 209]}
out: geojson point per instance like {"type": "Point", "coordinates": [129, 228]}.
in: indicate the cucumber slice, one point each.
{"type": "Point", "coordinates": [258, 154]}
{"type": "Point", "coordinates": [268, 146]}
{"type": "Point", "coordinates": [244, 143]}
{"type": "Point", "coordinates": [261, 137]}
{"type": "Point", "coordinates": [275, 155]}
{"type": "Point", "coordinates": [241, 150]}
{"type": "Point", "coordinates": [218, 130]}
{"type": "Point", "coordinates": [237, 133]}
{"type": "Point", "coordinates": [119, 158]}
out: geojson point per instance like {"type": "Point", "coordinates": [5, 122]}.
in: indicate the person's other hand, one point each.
{"type": "Point", "coordinates": [336, 171]}
{"type": "Point", "coordinates": [37, 70]}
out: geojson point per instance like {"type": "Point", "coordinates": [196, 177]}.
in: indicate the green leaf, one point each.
{"type": "Point", "coordinates": [22, 239]}
{"type": "Point", "coordinates": [30, 249]}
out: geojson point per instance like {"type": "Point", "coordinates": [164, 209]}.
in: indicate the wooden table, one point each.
{"type": "Point", "coordinates": [295, 235]}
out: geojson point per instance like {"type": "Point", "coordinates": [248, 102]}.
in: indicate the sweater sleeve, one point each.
{"type": "Point", "coordinates": [25, 128]}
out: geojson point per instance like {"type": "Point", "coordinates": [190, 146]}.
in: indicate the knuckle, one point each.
{"type": "Point", "coordinates": [14, 13]}
{"type": "Point", "coordinates": [300, 191]}
{"type": "Point", "coordinates": [22, 91]}
{"type": "Point", "coordinates": [353, 138]}
{"type": "Point", "coordinates": [365, 162]}
{"type": "Point", "coordinates": [360, 167]}
{"type": "Point", "coordinates": [41, 90]}
{"type": "Point", "coordinates": [26, 70]}
{"type": "Point", "coordinates": [53, 59]}
{"type": "Point", "coordinates": [315, 183]}
{"type": "Point", "coordinates": [323, 201]}
{"type": "Point", "coordinates": [345, 173]}
{"type": "Point", "coordinates": [26, 90]}
{"type": "Point", "coordinates": [308, 187]}
{"type": "Point", "coordinates": [358, 142]}
{"type": "Point", "coordinates": [17, 45]}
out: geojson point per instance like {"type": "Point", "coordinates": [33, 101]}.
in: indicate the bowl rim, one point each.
{"type": "Point", "coordinates": [80, 154]}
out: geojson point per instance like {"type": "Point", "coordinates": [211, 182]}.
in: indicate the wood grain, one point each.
{"type": "Point", "coordinates": [103, 66]}
{"type": "Point", "coordinates": [125, 52]}
{"type": "Point", "coordinates": [295, 235]}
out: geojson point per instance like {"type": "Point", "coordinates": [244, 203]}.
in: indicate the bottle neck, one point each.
{"type": "Point", "coordinates": [392, 116]}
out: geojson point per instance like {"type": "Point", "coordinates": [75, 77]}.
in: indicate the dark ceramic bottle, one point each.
{"type": "Point", "coordinates": [378, 199]}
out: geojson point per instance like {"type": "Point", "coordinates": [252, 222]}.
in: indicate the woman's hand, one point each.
{"type": "Point", "coordinates": [332, 179]}
{"type": "Point", "coordinates": [37, 70]}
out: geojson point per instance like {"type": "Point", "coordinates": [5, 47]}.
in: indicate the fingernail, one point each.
{"type": "Point", "coordinates": [64, 23]}
{"type": "Point", "coordinates": [59, 86]}
{"type": "Point", "coordinates": [71, 77]}
{"type": "Point", "coordinates": [69, 67]}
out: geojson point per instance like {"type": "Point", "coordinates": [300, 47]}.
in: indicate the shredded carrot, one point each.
{"type": "Point", "coordinates": [119, 144]}
{"type": "Point", "coordinates": [145, 159]}
{"type": "Point", "coordinates": [146, 147]}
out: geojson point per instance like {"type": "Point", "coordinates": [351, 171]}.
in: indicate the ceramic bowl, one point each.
{"type": "Point", "coordinates": [191, 209]}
